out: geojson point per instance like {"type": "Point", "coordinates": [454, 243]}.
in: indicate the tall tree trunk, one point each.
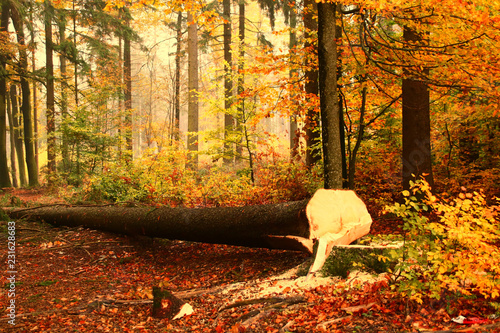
{"type": "Point", "coordinates": [76, 90]}
{"type": "Point", "coordinates": [294, 137]}
{"type": "Point", "coordinates": [242, 117]}
{"type": "Point", "coordinates": [359, 138]}
{"type": "Point", "coordinates": [29, 120]}
{"type": "Point", "coordinates": [64, 97]}
{"type": "Point", "coordinates": [338, 38]}
{"type": "Point", "coordinates": [177, 107]}
{"type": "Point", "coordinates": [127, 77]}
{"type": "Point", "coordinates": [15, 132]}
{"type": "Point", "coordinates": [13, 155]}
{"type": "Point", "coordinates": [312, 121]}
{"type": "Point", "coordinates": [228, 85]}
{"type": "Point", "coordinates": [329, 101]}
{"type": "Point", "coordinates": [192, 136]}
{"type": "Point", "coordinates": [4, 168]}
{"type": "Point", "coordinates": [31, 128]}
{"type": "Point", "coordinates": [50, 102]}
{"type": "Point", "coordinates": [417, 159]}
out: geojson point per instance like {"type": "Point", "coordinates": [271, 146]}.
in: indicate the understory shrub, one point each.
{"type": "Point", "coordinates": [162, 179]}
{"type": "Point", "coordinates": [450, 247]}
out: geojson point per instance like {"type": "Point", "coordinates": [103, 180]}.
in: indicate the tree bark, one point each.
{"type": "Point", "coordinates": [333, 217]}
{"type": "Point", "coordinates": [228, 85]}
{"type": "Point", "coordinates": [29, 119]}
{"type": "Point", "coordinates": [64, 96]}
{"type": "Point", "coordinates": [13, 167]}
{"type": "Point", "coordinates": [192, 135]}
{"type": "Point", "coordinates": [329, 101]}
{"type": "Point", "coordinates": [178, 55]}
{"type": "Point", "coordinates": [292, 44]}
{"type": "Point", "coordinates": [241, 117]}
{"type": "Point", "coordinates": [4, 168]}
{"type": "Point", "coordinates": [417, 158]}
{"type": "Point", "coordinates": [15, 132]}
{"type": "Point", "coordinates": [127, 91]}
{"type": "Point", "coordinates": [50, 102]}
{"type": "Point", "coordinates": [312, 122]}
{"type": "Point", "coordinates": [246, 226]}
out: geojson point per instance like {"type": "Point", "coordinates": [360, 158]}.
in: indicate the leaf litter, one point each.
{"type": "Point", "coordinates": [84, 280]}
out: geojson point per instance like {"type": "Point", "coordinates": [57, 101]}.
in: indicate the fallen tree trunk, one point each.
{"type": "Point", "coordinates": [254, 226]}
{"type": "Point", "coordinates": [334, 217]}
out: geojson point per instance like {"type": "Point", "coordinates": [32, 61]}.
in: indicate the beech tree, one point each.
{"type": "Point", "coordinates": [329, 101]}
{"type": "Point", "coordinates": [228, 84]}
{"type": "Point", "coordinates": [193, 80]}
{"type": "Point", "coordinates": [29, 117]}
{"type": "Point", "coordinates": [15, 133]}
{"type": "Point", "coordinates": [312, 122]}
{"type": "Point", "coordinates": [50, 112]}
{"type": "Point", "coordinates": [416, 155]}
{"type": "Point", "coordinates": [4, 169]}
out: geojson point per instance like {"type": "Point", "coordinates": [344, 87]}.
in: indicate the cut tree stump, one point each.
{"type": "Point", "coordinates": [331, 217]}
{"type": "Point", "coordinates": [166, 305]}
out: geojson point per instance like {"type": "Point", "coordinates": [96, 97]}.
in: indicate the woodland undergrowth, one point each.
{"type": "Point", "coordinates": [451, 246]}
{"type": "Point", "coordinates": [162, 179]}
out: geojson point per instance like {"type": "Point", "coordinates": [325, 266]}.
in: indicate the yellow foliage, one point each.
{"type": "Point", "coordinates": [458, 253]}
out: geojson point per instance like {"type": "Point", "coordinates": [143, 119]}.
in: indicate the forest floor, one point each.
{"type": "Point", "coordinates": [81, 280]}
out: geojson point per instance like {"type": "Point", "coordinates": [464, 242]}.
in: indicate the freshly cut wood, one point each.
{"type": "Point", "coordinates": [336, 217]}
{"type": "Point", "coordinates": [331, 217]}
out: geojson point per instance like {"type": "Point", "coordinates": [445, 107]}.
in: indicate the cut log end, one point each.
{"type": "Point", "coordinates": [336, 217]}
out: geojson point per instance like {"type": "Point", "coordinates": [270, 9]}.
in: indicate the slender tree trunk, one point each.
{"type": "Point", "coordinates": [177, 108]}
{"type": "Point", "coordinates": [192, 136]}
{"type": "Point", "coordinates": [29, 120]}
{"type": "Point", "coordinates": [327, 56]}
{"type": "Point", "coordinates": [31, 129]}
{"type": "Point", "coordinates": [15, 132]}
{"type": "Point", "coordinates": [338, 38]}
{"type": "Point", "coordinates": [294, 137]}
{"type": "Point", "coordinates": [241, 82]}
{"type": "Point", "coordinates": [228, 85]}
{"type": "Point", "coordinates": [127, 77]}
{"type": "Point", "coordinates": [241, 119]}
{"type": "Point", "coordinates": [4, 168]}
{"type": "Point", "coordinates": [312, 121]}
{"type": "Point", "coordinates": [50, 102]}
{"type": "Point", "coordinates": [64, 97]}
{"type": "Point", "coordinates": [13, 167]}
{"type": "Point", "coordinates": [417, 160]}
{"type": "Point", "coordinates": [77, 91]}
{"type": "Point", "coordinates": [361, 131]}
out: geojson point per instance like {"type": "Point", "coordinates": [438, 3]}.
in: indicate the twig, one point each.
{"type": "Point", "coordinates": [30, 229]}
{"type": "Point", "coordinates": [268, 309]}
{"type": "Point", "coordinates": [198, 292]}
{"type": "Point", "coordinates": [67, 241]}
{"type": "Point", "coordinates": [74, 245]}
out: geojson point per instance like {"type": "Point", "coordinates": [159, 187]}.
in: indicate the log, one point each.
{"type": "Point", "coordinates": [331, 217]}
{"type": "Point", "coordinates": [264, 226]}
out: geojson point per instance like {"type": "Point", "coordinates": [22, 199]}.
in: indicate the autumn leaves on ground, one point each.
{"type": "Point", "coordinates": [80, 280]}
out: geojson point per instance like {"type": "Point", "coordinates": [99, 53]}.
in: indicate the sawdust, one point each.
{"type": "Point", "coordinates": [289, 284]}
